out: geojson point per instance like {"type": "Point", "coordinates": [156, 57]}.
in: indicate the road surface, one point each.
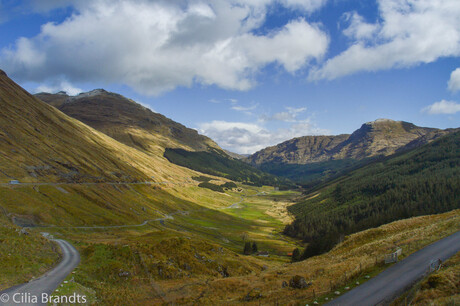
{"type": "Point", "coordinates": [47, 283]}
{"type": "Point", "coordinates": [395, 280]}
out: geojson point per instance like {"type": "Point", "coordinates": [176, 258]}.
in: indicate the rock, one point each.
{"type": "Point", "coordinates": [252, 295]}
{"type": "Point", "coordinates": [299, 282]}
{"type": "Point", "coordinates": [347, 288]}
{"type": "Point", "coordinates": [124, 274]}
{"type": "Point", "coordinates": [223, 271]}
{"type": "Point", "coordinates": [24, 232]}
{"type": "Point", "coordinates": [315, 303]}
{"type": "Point", "coordinates": [367, 277]}
{"type": "Point", "coordinates": [357, 283]}
{"type": "Point", "coordinates": [337, 293]}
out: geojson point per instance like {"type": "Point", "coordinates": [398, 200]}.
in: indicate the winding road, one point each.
{"type": "Point", "coordinates": [46, 284]}
{"type": "Point", "coordinates": [395, 280]}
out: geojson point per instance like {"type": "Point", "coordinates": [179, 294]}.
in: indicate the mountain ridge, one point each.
{"type": "Point", "coordinates": [379, 137]}
{"type": "Point", "coordinates": [128, 121]}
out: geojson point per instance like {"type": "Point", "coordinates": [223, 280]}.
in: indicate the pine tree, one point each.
{"type": "Point", "coordinates": [254, 247]}
{"type": "Point", "coordinates": [296, 255]}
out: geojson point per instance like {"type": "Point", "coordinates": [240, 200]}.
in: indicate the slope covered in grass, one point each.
{"type": "Point", "coordinates": [39, 143]}
{"type": "Point", "coordinates": [423, 181]}
{"type": "Point", "coordinates": [23, 256]}
{"type": "Point", "coordinates": [128, 122]}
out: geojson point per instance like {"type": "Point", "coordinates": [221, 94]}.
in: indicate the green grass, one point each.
{"type": "Point", "coordinates": [23, 256]}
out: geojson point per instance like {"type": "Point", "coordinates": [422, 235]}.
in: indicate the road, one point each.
{"type": "Point", "coordinates": [47, 283]}
{"type": "Point", "coordinates": [395, 280]}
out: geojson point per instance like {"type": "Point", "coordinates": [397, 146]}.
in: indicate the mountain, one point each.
{"type": "Point", "coordinates": [419, 182]}
{"type": "Point", "coordinates": [154, 134]}
{"type": "Point", "coordinates": [128, 122]}
{"type": "Point", "coordinates": [308, 158]}
{"type": "Point", "coordinates": [380, 137]}
{"type": "Point", "coordinates": [40, 143]}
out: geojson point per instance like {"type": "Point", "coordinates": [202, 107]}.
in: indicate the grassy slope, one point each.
{"type": "Point", "coordinates": [129, 122]}
{"type": "Point", "coordinates": [422, 181]}
{"type": "Point", "coordinates": [39, 143]}
{"type": "Point", "coordinates": [23, 256]}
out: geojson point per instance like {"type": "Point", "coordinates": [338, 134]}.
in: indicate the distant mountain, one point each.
{"type": "Point", "coordinates": [311, 157]}
{"type": "Point", "coordinates": [40, 143]}
{"type": "Point", "coordinates": [380, 137]}
{"type": "Point", "coordinates": [128, 122]}
{"type": "Point", "coordinates": [236, 155]}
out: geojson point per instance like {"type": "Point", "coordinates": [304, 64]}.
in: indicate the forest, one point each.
{"type": "Point", "coordinates": [423, 181]}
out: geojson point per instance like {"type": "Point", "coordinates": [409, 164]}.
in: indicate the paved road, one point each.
{"type": "Point", "coordinates": [395, 280]}
{"type": "Point", "coordinates": [47, 283]}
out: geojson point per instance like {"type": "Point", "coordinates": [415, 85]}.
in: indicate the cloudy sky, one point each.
{"type": "Point", "coordinates": [246, 73]}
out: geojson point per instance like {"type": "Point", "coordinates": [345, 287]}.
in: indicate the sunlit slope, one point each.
{"type": "Point", "coordinates": [128, 122]}
{"type": "Point", "coordinates": [38, 142]}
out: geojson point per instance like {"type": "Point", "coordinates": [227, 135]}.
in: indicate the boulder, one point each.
{"type": "Point", "coordinates": [299, 282]}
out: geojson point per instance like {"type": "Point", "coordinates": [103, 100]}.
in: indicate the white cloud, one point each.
{"type": "Point", "coordinates": [410, 32]}
{"type": "Point", "coordinates": [454, 81]}
{"type": "Point", "coordinates": [155, 46]}
{"type": "Point", "coordinates": [290, 115]}
{"type": "Point", "coordinates": [247, 138]}
{"type": "Point", "coordinates": [442, 107]}
{"type": "Point", "coordinates": [245, 109]}
{"type": "Point", "coordinates": [358, 28]}
{"type": "Point", "coordinates": [61, 86]}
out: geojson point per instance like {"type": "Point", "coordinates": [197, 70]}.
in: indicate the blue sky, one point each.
{"type": "Point", "coordinates": [252, 73]}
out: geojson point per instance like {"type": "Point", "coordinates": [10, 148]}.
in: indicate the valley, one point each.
{"type": "Point", "coordinates": [162, 215]}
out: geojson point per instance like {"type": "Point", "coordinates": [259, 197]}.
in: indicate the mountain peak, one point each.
{"type": "Point", "coordinates": [381, 120]}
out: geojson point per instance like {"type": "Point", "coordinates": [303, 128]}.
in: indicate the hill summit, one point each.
{"type": "Point", "coordinates": [128, 122]}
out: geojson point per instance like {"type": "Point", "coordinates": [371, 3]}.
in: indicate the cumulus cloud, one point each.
{"type": "Point", "coordinates": [156, 46]}
{"type": "Point", "coordinates": [247, 138]}
{"type": "Point", "coordinates": [442, 107]}
{"type": "Point", "coordinates": [409, 33]}
{"type": "Point", "coordinates": [454, 81]}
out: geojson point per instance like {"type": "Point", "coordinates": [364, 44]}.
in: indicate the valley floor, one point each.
{"type": "Point", "coordinates": [191, 251]}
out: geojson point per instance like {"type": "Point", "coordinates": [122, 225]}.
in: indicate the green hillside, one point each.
{"type": "Point", "coordinates": [423, 181]}
{"type": "Point", "coordinates": [218, 163]}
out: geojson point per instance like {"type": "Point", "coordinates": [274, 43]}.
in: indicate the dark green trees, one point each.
{"type": "Point", "coordinates": [247, 248]}
{"type": "Point", "coordinates": [420, 182]}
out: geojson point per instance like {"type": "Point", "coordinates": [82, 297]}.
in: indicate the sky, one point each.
{"type": "Point", "coordinates": [249, 74]}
